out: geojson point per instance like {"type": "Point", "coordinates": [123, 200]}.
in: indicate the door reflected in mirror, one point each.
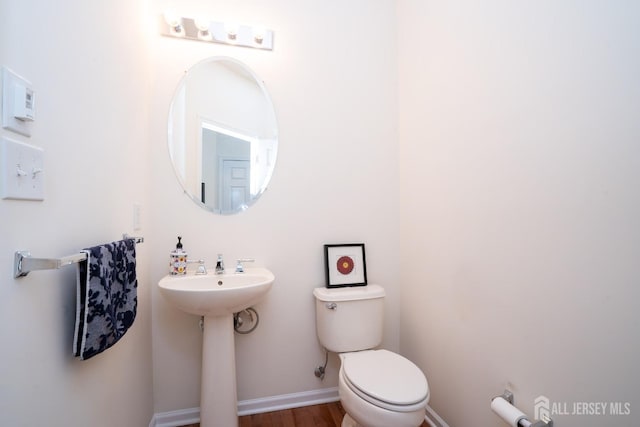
{"type": "Point", "coordinates": [222, 135]}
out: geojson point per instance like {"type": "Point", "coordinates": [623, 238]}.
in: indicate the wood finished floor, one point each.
{"type": "Point", "coordinates": [326, 415]}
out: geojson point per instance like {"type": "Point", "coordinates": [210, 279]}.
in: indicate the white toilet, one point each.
{"type": "Point", "coordinates": [377, 388]}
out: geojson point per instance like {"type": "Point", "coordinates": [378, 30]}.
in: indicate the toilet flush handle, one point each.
{"type": "Point", "coordinates": [331, 305]}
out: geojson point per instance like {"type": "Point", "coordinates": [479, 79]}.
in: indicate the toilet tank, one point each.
{"type": "Point", "coordinates": [351, 318]}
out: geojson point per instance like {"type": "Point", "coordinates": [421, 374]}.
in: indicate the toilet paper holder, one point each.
{"type": "Point", "coordinates": [523, 422]}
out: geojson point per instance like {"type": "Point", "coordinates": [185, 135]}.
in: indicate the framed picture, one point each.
{"type": "Point", "coordinates": [345, 265]}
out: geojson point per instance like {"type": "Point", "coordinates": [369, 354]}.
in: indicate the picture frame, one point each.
{"type": "Point", "coordinates": [345, 265]}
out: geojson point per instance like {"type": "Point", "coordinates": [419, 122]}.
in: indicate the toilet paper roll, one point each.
{"type": "Point", "coordinates": [507, 411]}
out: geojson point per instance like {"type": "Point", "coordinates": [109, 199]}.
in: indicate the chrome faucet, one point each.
{"type": "Point", "coordinates": [240, 267]}
{"type": "Point", "coordinates": [220, 265]}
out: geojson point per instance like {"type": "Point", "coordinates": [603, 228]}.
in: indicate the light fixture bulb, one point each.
{"type": "Point", "coordinates": [232, 31]}
{"type": "Point", "coordinates": [202, 24]}
{"type": "Point", "coordinates": [172, 19]}
{"type": "Point", "coordinates": [258, 35]}
{"type": "Point", "coordinates": [204, 29]}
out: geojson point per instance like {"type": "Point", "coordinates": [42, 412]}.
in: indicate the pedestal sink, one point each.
{"type": "Point", "coordinates": [217, 297]}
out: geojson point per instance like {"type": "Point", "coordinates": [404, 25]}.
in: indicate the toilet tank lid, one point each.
{"type": "Point", "coordinates": [349, 293]}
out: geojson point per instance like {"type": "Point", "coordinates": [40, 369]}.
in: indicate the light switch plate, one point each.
{"type": "Point", "coordinates": [21, 171]}
{"type": "Point", "coordinates": [13, 84]}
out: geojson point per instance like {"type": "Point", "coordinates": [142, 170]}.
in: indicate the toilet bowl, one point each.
{"type": "Point", "coordinates": [377, 387]}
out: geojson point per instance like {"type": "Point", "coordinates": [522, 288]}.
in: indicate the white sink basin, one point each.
{"type": "Point", "coordinates": [217, 294]}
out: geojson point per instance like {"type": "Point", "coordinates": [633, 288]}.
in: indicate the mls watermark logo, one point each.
{"type": "Point", "coordinates": [543, 408]}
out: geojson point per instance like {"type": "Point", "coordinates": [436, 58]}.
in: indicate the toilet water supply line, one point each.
{"type": "Point", "coordinates": [320, 370]}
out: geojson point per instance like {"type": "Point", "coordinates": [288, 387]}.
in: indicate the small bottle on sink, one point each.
{"type": "Point", "coordinates": [178, 260]}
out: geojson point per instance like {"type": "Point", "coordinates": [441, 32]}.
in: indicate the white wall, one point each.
{"type": "Point", "coordinates": [331, 78]}
{"type": "Point", "coordinates": [89, 75]}
{"type": "Point", "coordinates": [520, 232]}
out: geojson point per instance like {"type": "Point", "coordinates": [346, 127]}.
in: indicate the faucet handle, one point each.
{"type": "Point", "coordinates": [240, 267]}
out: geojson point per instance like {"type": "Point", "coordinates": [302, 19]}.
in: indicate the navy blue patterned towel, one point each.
{"type": "Point", "coordinates": [107, 297]}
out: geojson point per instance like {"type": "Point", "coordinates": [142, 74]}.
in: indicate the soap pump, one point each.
{"type": "Point", "coordinates": [178, 260]}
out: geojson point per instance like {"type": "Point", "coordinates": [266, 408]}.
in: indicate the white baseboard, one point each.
{"type": "Point", "coordinates": [252, 406]}
{"type": "Point", "coordinates": [177, 418]}
{"type": "Point", "coordinates": [287, 401]}
{"type": "Point", "coordinates": [184, 417]}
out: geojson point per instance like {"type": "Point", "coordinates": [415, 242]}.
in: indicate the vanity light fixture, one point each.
{"type": "Point", "coordinates": [216, 32]}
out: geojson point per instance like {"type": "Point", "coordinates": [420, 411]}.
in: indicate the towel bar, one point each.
{"type": "Point", "coordinates": [24, 263]}
{"type": "Point", "coordinates": [137, 239]}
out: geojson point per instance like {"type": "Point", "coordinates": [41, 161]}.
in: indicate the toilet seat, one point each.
{"type": "Point", "coordinates": [385, 379]}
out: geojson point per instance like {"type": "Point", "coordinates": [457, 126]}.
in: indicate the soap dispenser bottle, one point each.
{"type": "Point", "coordinates": [178, 260]}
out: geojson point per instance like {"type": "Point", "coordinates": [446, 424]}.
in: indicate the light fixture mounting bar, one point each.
{"type": "Point", "coordinates": [216, 32]}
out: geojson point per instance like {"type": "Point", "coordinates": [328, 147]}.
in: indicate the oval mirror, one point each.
{"type": "Point", "coordinates": [223, 135]}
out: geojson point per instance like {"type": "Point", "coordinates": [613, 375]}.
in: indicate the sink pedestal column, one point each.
{"type": "Point", "coordinates": [218, 396]}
